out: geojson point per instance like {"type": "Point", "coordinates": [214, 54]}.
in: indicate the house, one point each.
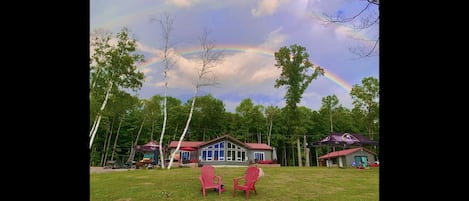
{"type": "Point", "coordinates": [358, 157]}
{"type": "Point", "coordinates": [225, 150]}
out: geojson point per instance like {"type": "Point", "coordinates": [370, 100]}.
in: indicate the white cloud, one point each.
{"type": "Point", "coordinates": [267, 7]}
{"type": "Point", "coordinates": [181, 3]}
{"type": "Point", "coordinates": [237, 73]}
{"type": "Point", "coordinates": [274, 40]}
{"type": "Point", "coordinates": [143, 47]}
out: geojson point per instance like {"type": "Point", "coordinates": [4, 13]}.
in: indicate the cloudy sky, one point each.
{"type": "Point", "coordinates": [248, 33]}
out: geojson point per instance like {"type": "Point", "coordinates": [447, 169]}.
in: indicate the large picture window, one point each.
{"type": "Point", "coordinates": [214, 152]}
{"type": "Point", "coordinates": [224, 151]}
{"type": "Point", "coordinates": [235, 153]}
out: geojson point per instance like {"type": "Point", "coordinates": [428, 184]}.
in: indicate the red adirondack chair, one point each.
{"type": "Point", "coordinates": [208, 180]}
{"type": "Point", "coordinates": [247, 183]}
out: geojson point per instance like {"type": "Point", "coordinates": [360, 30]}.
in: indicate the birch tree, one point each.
{"type": "Point", "coordinates": [112, 69]}
{"type": "Point", "coordinates": [166, 23]}
{"type": "Point", "coordinates": [205, 77]}
{"type": "Point", "coordinates": [134, 145]}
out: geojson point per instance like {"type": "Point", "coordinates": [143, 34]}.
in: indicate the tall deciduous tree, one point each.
{"type": "Point", "coordinates": [205, 77]}
{"type": "Point", "coordinates": [113, 69]}
{"type": "Point", "coordinates": [365, 98]}
{"type": "Point", "coordinates": [297, 73]}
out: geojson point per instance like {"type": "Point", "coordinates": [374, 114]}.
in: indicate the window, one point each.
{"type": "Point", "coordinates": [222, 151]}
{"type": "Point", "coordinates": [235, 153]}
{"type": "Point", "coordinates": [228, 155]}
{"type": "Point", "coordinates": [214, 152]}
{"type": "Point", "coordinates": [185, 156]}
{"type": "Point", "coordinates": [259, 156]}
{"type": "Point", "coordinates": [222, 155]}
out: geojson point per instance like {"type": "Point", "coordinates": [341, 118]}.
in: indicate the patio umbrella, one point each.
{"type": "Point", "coordinates": [344, 139]}
{"type": "Point", "coordinates": [150, 146]}
{"type": "Point", "coordinates": [274, 154]}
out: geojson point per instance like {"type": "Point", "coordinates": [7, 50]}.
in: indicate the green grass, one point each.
{"type": "Point", "coordinates": [278, 183]}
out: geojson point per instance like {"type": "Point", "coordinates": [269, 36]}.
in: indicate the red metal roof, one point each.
{"type": "Point", "coordinates": [345, 152]}
{"type": "Point", "coordinates": [258, 146]}
{"type": "Point", "coordinates": [194, 144]}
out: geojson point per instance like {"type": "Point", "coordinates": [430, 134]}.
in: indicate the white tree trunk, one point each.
{"type": "Point", "coordinates": [305, 145]}
{"type": "Point", "coordinates": [115, 141]}
{"type": "Point", "coordinates": [96, 126]}
{"type": "Point", "coordinates": [163, 130]}
{"type": "Point", "coordinates": [108, 143]}
{"type": "Point", "coordinates": [185, 129]}
{"type": "Point", "coordinates": [259, 137]}
{"type": "Point", "coordinates": [300, 162]}
{"type": "Point", "coordinates": [94, 129]}
{"type": "Point", "coordinates": [103, 152]}
{"type": "Point", "coordinates": [132, 151]}
{"type": "Point", "coordinates": [270, 132]}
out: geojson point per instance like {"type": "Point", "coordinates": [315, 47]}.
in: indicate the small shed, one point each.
{"type": "Point", "coordinates": [358, 157]}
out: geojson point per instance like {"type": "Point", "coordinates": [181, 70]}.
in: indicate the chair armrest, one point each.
{"type": "Point", "coordinates": [236, 180]}
{"type": "Point", "coordinates": [219, 179]}
{"type": "Point", "coordinates": [201, 180]}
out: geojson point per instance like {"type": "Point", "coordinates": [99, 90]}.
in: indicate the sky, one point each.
{"type": "Point", "coordinates": [247, 33]}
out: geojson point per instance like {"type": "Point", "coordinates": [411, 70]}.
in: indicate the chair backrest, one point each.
{"type": "Point", "coordinates": [207, 173]}
{"type": "Point", "coordinates": [252, 174]}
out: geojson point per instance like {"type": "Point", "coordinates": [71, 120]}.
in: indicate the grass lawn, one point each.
{"type": "Point", "coordinates": [278, 183]}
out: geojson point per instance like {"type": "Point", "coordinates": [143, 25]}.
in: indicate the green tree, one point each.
{"type": "Point", "coordinates": [112, 69]}
{"type": "Point", "coordinates": [297, 73]}
{"type": "Point", "coordinates": [208, 118]}
{"type": "Point", "coordinates": [251, 119]}
{"type": "Point", "coordinates": [365, 98]}
{"type": "Point", "coordinates": [343, 121]}
{"type": "Point", "coordinates": [153, 112]}
{"type": "Point", "coordinates": [270, 113]}
{"type": "Point", "coordinates": [329, 103]}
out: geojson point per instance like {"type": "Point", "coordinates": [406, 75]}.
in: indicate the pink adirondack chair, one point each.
{"type": "Point", "coordinates": [208, 179]}
{"type": "Point", "coordinates": [247, 183]}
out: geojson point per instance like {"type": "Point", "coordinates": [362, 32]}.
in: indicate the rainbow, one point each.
{"type": "Point", "coordinates": [243, 48]}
